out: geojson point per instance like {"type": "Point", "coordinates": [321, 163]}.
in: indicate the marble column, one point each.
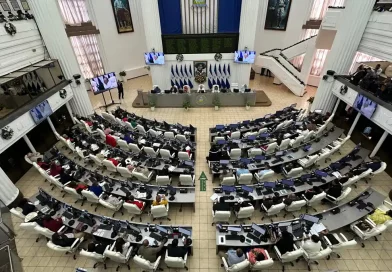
{"type": "Point", "coordinates": [9, 192]}
{"type": "Point", "coordinates": [350, 29]}
{"type": "Point", "coordinates": [51, 26]}
{"type": "Point", "coordinates": [379, 144]}
{"type": "Point", "coordinates": [248, 29]}
{"type": "Point", "coordinates": [354, 123]}
{"type": "Point", "coordinates": [152, 30]}
{"type": "Point", "coordinates": [51, 126]}
{"type": "Point", "coordinates": [29, 144]}
{"type": "Point", "coordinates": [70, 112]}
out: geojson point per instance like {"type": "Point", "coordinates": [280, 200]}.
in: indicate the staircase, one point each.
{"type": "Point", "coordinates": [277, 61]}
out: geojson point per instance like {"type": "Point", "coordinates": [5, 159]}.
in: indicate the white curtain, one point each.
{"type": "Point", "coordinates": [318, 61]}
{"type": "Point", "coordinates": [199, 20]}
{"type": "Point", "coordinates": [74, 11]}
{"type": "Point", "coordinates": [361, 57]}
{"type": "Point", "coordinates": [320, 8]}
{"type": "Point", "coordinates": [298, 60]}
{"type": "Point", "coordinates": [87, 52]}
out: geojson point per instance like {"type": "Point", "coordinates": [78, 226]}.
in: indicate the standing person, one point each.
{"type": "Point", "coordinates": [120, 89]}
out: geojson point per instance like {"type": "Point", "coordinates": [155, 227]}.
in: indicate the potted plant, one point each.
{"type": "Point", "coordinates": [310, 100]}
{"type": "Point", "coordinates": [152, 102]}
{"type": "Point", "coordinates": [122, 75]}
{"type": "Point", "coordinates": [216, 102]}
{"type": "Point", "coordinates": [247, 105]}
{"type": "Point", "coordinates": [186, 104]}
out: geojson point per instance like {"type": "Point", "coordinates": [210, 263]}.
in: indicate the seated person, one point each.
{"type": "Point", "coordinates": [225, 174]}
{"type": "Point", "coordinates": [174, 89]}
{"type": "Point", "coordinates": [96, 189]}
{"type": "Point", "coordinates": [79, 187]}
{"type": "Point", "coordinates": [65, 176]}
{"type": "Point", "coordinates": [374, 165]}
{"type": "Point", "coordinates": [122, 246]}
{"type": "Point", "coordinates": [43, 164]}
{"type": "Point", "coordinates": [285, 243]}
{"type": "Point", "coordinates": [290, 198]}
{"type": "Point", "coordinates": [150, 253]}
{"type": "Point", "coordinates": [160, 201]}
{"type": "Point", "coordinates": [312, 246]}
{"type": "Point", "coordinates": [345, 178]}
{"type": "Point", "coordinates": [220, 205]}
{"type": "Point", "coordinates": [34, 156]}
{"type": "Point", "coordinates": [96, 247]}
{"type": "Point", "coordinates": [143, 170]}
{"type": "Point", "coordinates": [265, 170]}
{"type": "Point", "coordinates": [128, 138]}
{"type": "Point", "coordinates": [233, 256]}
{"type": "Point", "coordinates": [174, 251]}
{"type": "Point", "coordinates": [269, 202]}
{"type": "Point", "coordinates": [115, 201]}
{"type": "Point", "coordinates": [257, 255]}
{"type": "Point", "coordinates": [309, 194]}
{"type": "Point", "coordinates": [380, 217]}
{"type": "Point", "coordinates": [241, 171]}
{"type": "Point", "coordinates": [66, 239]}
{"type": "Point", "coordinates": [186, 89]}
{"type": "Point", "coordinates": [55, 168]}
{"type": "Point", "coordinates": [335, 190]}
{"type": "Point", "coordinates": [52, 224]}
{"type": "Point", "coordinates": [214, 154]}
{"type": "Point", "coordinates": [114, 161]}
{"type": "Point", "coordinates": [26, 206]}
{"type": "Point", "coordinates": [138, 203]}
{"type": "Point", "coordinates": [110, 140]}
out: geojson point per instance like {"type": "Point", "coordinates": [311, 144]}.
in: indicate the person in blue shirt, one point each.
{"type": "Point", "coordinates": [242, 171]}
{"type": "Point", "coordinates": [233, 256]}
{"type": "Point", "coordinates": [96, 189]}
{"type": "Point", "coordinates": [128, 138]}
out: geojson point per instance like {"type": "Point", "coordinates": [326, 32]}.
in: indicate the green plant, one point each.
{"type": "Point", "coordinates": [216, 101]}
{"type": "Point", "coordinates": [152, 101]}
{"type": "Point", "coordinates": [311, 99]}
{"type": "Point", "coordinates": [247, 103]}
{"type": "Point", "coordinates": [187, 103]}
{"type": "Point", "coordinates": [122, 73]}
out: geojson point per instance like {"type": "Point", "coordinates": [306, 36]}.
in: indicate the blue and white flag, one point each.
{"type": "Point", "coordinates": [224, 69]}
{"type": "Point", "coordinates": [190, 70]}
{"type": "Point", "coordinates": [227, 84]}
{"type": "Point", "coordinates": [178, 74]}
{"type": "Point", "coordinates": [190, 83]}
{"type": "Point", "coordinates": [211, 71]}
{"type": "Point", "coordinates": [228, 69]}
{"type": "Point", "coordinates": [215, 71]}
{"type": "Point", "coordinates": [209, 83]}
{"type": "Point", "coordinates": [213, 81]}
{"type": "Point", "coordinates": [182, 73]}
{"type": "Point", "coordinates": [177, 84]}
{"type": "Point", "coordinates": [172, 83]}
{"type": "Point", "coordinates": [172, 71]}
{"type": "Point", "coordinates": [220, 70]}
{"type": "Point", "coordinates": [185, 72]}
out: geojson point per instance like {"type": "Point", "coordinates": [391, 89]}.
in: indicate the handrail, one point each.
{"type": "Point", "coordinates": [284, 56]}
{"type": "Point", "coordinates": [299, 42]}
{"type": "Point", "coordinates": [297, 78]}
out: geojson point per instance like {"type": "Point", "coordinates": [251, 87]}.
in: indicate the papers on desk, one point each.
{"type": "Point", "coordinates": [45, 209]}
{"type": "Point", "coordinates": [337, 174]}
{"type": "Point", "coordinates": [141, 195]}
{"type": "Point", "coordinates": [94, 147]}
{"type": "Point", "coordinates": [317, 228]}
{"type": "Point", "coordinates": [156, 145]}
{"type": "Point", "coordinates": [99, 232]}
{"type": "Point", "coordinates": [171, 168]}
{"type": "Point", "coordinates": [221, 240]}
{"type": "Point", "coordinates": [214, 197]}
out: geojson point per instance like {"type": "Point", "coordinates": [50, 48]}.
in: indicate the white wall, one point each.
{"type": "Point", "coordinates": [123, 51]}
{"type": "Point", "coordinates": [22, 49]}
{"type": "Point", "coordinates": [25, 122]}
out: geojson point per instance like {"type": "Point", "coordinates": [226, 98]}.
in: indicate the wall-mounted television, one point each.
{"type": "Point", "coordinates": [152, 58]}
{"type": "Point", "coordinates": [244, 56]}
{"type": "Point", "coordinates": [365, 105]}
{"type": "Point", "coordinates": [103, 83]}
{"type": "Point", "coordinates": [41, 111]}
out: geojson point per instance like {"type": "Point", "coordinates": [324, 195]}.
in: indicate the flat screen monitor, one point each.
{"type": "Point", "coordinates": [298, 124]}
{"type": "Point", "coordinates": [335, 165]}
{"type": "Point", "coordinates": [221, 142]}
{"type": "Point", "coordinates": [320, 173]}
{"type": "Point", "coordinates": [269, 184]}
{"type": "Point", "coordinates": [279, 153]}
{"type": "Point", "coordinates": [245, 160]}
{"type": "Point", "coordinates": [185, 231]}
{"type": "Point", "coordinates": [103, 83]}
{"type": "Point", "coordinates": [306, 176]}
{"type": "Point", "coordinates": [233, 125]}
{"type": "Point", "coordinates": [219, 127]}
{"type": "Point", "coordinates": [161, 229]}
{"type": "Point", "coordinates": [264, 135]}
{"type": "Point", "coordinates": [310, 218]}
{"type": "Point", "coordinates": [229, 189]}
{"type": "Point", "coordinates": [258, 229]}
{"type": "Point", "coordinates": [189, 163]}
{"type": "Point", "coordinates": [244, 56]}
{"type": "Point", "coordinates": [153, 58]}
{"type": "Point", "coordinates": [288, 182]}
{"type": "Point", "coordinates": [171, 189]}
{"type": "Point", "coordinates": [234, 229]}
{"type": "Point", "coordinates": [247, 189]}
{"type": "Point", "coordinates": [251, 137]}
{"type": "Point", "coordinates": [224, 162]}
{"type": "Point", "coordinates": [267, 116]}
{"type": "Point", "coordinates": [366, 106]}
{"type": "Point", "coordinates": [259, 120]}
{"type": "Point", "coordinates": [41, 111]}
{"type": "Point", "coordinates": [245, 122]}
{"type": "Point", "coordinates": [259, 157]}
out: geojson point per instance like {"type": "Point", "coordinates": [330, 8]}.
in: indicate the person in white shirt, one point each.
{"type": "Point", "coordinates": [378, 69]}
{"type": "Point", "coordinates": [311, 246]}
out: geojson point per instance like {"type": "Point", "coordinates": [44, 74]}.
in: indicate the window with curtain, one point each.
{"type": "Point", "coordinates": [361, 57]}
{"type": "Point", "coordinates": [320, 8]}
{"type": "Point", "coordinates": [74, 12]}
{"type": "Point", "coordinates": [318, 61]}
{"type": "Point", "coordinates": [298, 60]}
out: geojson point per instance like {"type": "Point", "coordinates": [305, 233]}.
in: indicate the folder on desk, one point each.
{"type": "Point", "coordinates": [156, 145]}
{"type": "Point", "coordinates": [171, 168]}
{"type": "Point", "coordinates": [141, 195]}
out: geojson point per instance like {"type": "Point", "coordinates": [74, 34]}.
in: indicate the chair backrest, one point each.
{"type": "Point", "coordinates": [275, 209]}
{"type": "Point", "coordinates": [235, 135]}
{"type": "Point", "coordinates": [92, 255]}
{"type": "Point", "coordinates": [288, 122]}
{"type": "Point", "coordinates": [294, 172]}
{"type": "Point", "coordinates": [297, 142]}
{"type": "Point", "coordinates": [296, 205]}
{"type": "Point", "coordinates": [72, 191]}
{"type": "Point", "coordinates": [29, 226]}
{"type": "Point", "coordinates": [215, 89]}
{"type": "Point", "coordinates": [117, 257]}
{"type": "Point", "coordinates": [245, 178]}
{"type": "Point", "coordinates": [90, 196]}
{"type": "Point", "coordinates": [57, 248]}
{"type": "Point", "coordinates": [79, 151]}
{"type": "Point", "coordinates": [108, 117]}
{"type": "Point", "coordinates": [235, 153]}
{"type": "Point", "coordinates": [134, 148]}
{"type": "Point", "coordinates": [140, 176]}
{"type": "Point", "coordinates": [143, 263]}
{"type": "Point", "coordinates": [262, 130]}
{"type": "Point", "coordinates": [239, 266]}
{"type": "Point", "coordinates": [201, 87]}
{"type": "Point", "coordinates": [101, 134]}
{"type": "Point", "coordinates": [266, 175]}
{"type": "Point", "coordinates": [310, 135]}
{"type": "Point", "coordinates": [183, 156]}
{"type": "Point", "coordinates": [181, 138]}
{"type": "Point", "coordinates": [312, 159]}
{"type": "Point", "coordinates": [323, 155]}
{"type": "Point", "coordinates": [141, 129]}
{"type": "Point", "coordinates": [153, 133]}
{"type": "Point", "coordinates": [87, 127]}
{"type": "Point", "coordinates": [123, 144]}
{"type": "Point", "coordinates": [119, 121]}
{"type": "Point", "coordinates": [279, 126]}
{"type": "Point", "coordinates": [335, 148]}
{"type": "Point", "coordinates": [317, 198]}
{"type": "Point", "coordinates": [169, 135]}
{"type": "Point", "coordinates": [259, 265]}
{"type": "Point", "coordinates": [165, 153]}
{"type": "Point", "coordinates": [320, 130]}
{"type": "Point", "coordinates": [162, 180]}
{"type": "Point", "coordinates": [71, 145]}
{"type": "Point", "coordinates": [228, 181]}
{"type": "Point", "coordinates": [186, 180]}
{"type": "Point", "coordinates": [221, 216]}
{"type": "Point", "coordinates": [109, 165]}
{"type": "Point", "coordinates": [175, 262]}
{"type": "Point", "coordinates": [96, 160]}
{"type": "Point", "coordinates": [284, 144]}
{"type": "Point", "coordinates": [18, 213]}
{"type": "Point", "coordinates": [218, 138]}
{"type": "Point", "coordinates": [253, 152]}
{"type": "Point", "coordinates": [292, 255]}
{"type": "Point", "coordinates": [159, 211]}
{"type": "Point", "coordinates": [245, 212]}
{"type": "Point", "coordinates": [271, 148]}
{"type": "Point", "coordinates": [322, 254]}
{"type": "Point", "coordinates": [124, 172]}
{"type": "Point", "coordinates": [344, 194]}
{"type": "Point", "coordinates": [129, 126]}
{"type": "Point", "coordinates": [365, 173]}
{"type": "Point", "coordinates": [150, 151]}
{"type": "Point", "coordinates": [381, 169]}
{"type": "Point", "coordinates": [44, 231]}
{"type": "Point", "coordinates": [132, 208]}
{"type": "Point", "coordinates": [351, 181]}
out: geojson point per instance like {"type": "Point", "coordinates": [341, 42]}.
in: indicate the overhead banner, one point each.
{"type": "Point", "coordinates": [200, 3]}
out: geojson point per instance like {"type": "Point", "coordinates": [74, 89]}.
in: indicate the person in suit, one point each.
{"type": "Point", "coordinates": [335, 190]}
{"type": "Point", "coordinates": [120, 89]}
{"type": "Point", "coordinates": [290, 199]}
{"type": "Point", "coordinates": [174, 251]}
{"type": "Point", "coordinates": [221, 205]}
{"type": "Point", "coordinates": [96, 247]}
{"type": "Point", "coordinates": [150, 253]}
{"type": "Point", "coordinates": [275, 200]}
{"type": "Point", "coordinates": [285, 243]}
{"type": "Point", "coordinates": [26, 206]}
{"type": "Point", "coordinates": [309, 194]}
{"type": "Point", "coordinates": [122, 246]}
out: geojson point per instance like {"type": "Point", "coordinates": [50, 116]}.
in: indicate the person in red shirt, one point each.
{"type": "Point", "coordinates": [43, 164]}
{"type": "Point", "coordinates": [110, 140]}
{"type": "Point", "coordinates": [55, 168]}
{"type": "Point", "coordinates": [89, 123]}
{"type": "Point", "coordinates": [52, 224]}
{"type": "Point", "coordinates": [125, 119]}
{"type": "Point", "coordinates": [257, 255]}
{"type": "Point", "coordinates": [114, 161]}
{"type": "Point", "coordinates": [138, 203]}
{"type": "Point", "coordinates": [79, 187]}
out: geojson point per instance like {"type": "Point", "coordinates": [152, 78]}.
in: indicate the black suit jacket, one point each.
{"type": "Point", "coordinates": [177, 251]}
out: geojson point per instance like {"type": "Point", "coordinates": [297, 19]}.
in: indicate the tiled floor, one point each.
{"type": "Point", "coordinates": [37, 257]}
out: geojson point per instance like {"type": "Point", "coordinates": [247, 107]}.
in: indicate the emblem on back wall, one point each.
{"type": "Point", "coordinates": [10, 28]}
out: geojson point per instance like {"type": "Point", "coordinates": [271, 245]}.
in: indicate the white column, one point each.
{"type": "Point", "coordinates": [351, 27]}
{"type": "Point", "coordinates": [248, 29]}
{"type": "Point", "coordinates": [379, 144]}
{"type": "Point", "coordinates": [29, 144]}
{"type": "Point", "coordinates": [152, 30]}
{"type": "Point", "coordinates": [9, 192]}
{"type": "Point", "coordinates": [52, 126]}
{"type": "Point", "coordinates": [49, 20]}
{"type": "Point", "coordinates": [70, 112]}
{"type": "Point", "coordinates": [354, 124]}
{"type": "Point", "coordinates": [336, 106]}
{"type": "Point", "coordinates": [308, 60]}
